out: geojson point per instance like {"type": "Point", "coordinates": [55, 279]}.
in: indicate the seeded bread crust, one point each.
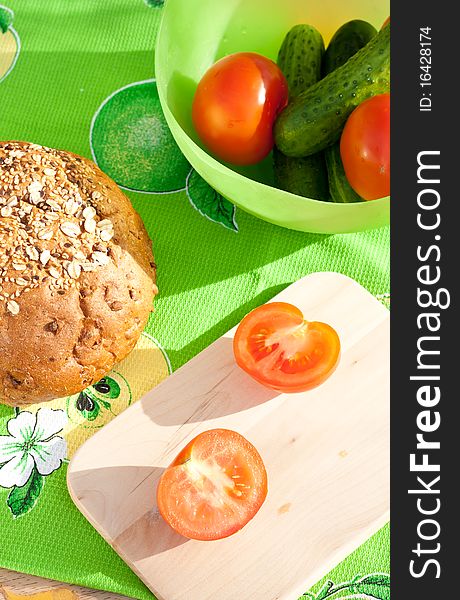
{"type": "Point", "coordinates": [77, 274]}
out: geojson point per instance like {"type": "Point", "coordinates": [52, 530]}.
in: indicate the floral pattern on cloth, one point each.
{"type": "Point", "coordinates": [31, 451]}
{"type": "Point", "coordinates": [385, 299]}
{"type": "Point", "coordinates": [375, 585]}
{"type": "Point", "coordinates": [42, 437]}
{"type": "Point", "coordinates": [10, 44]}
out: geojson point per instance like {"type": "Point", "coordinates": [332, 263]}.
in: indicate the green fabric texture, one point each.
{"type": "Point", "coordinates": [71, 58]}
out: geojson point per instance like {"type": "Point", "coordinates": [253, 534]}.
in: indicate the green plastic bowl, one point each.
{"type": "Point", "coordinates": [196, 33]}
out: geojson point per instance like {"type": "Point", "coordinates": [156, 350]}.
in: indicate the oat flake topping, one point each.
{"type": "Point", "coordinates": [50, 231]}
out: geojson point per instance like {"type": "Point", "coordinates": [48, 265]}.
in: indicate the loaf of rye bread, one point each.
{"type": "Point", "coordinates": [77, 274]}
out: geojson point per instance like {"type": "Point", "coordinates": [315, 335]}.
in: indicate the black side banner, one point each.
{"type": "Point", "coordinates": [425, 197]}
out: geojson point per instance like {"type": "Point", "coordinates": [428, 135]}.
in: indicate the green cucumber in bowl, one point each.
{"type": "Point", "coordinates": [300, 58]}
{"type": "Point", "coordinates": [305, 177]}
{"type": "Point", "coordinates": [339, 188]}
{"type": "Point", "coordinates": [315, 118]}
{"type": "Point", "coordinates": [345, 43]}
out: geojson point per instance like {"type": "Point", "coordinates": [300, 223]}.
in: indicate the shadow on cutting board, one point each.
{"type": "Point", "coordinates": [210, 386]}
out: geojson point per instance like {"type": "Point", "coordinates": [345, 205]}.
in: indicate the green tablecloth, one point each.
{"type": "Point", "coordinates": [66, 75]}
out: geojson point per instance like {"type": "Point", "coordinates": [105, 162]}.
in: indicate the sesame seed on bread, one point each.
{"type": "Point", "coordinates": [77, 274]}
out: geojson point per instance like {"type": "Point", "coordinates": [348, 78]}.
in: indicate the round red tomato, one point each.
{"type": "Point", "coordinates": [236, 105]}
{"type": "Point", "coordinates": [278, 348]}
{"type": "Point", "coordinates": [365, 148]}
{"type": "Point", "coordinates": [214, 487]}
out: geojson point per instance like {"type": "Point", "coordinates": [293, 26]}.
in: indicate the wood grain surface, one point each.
{"type": "Point", "coordinates": [326, 453]}
{"type": "Point", "coordinates": [13, 586]}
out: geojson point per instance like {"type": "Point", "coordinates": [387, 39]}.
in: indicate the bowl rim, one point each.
{"type": "Point", "coordinates": [217, 165]}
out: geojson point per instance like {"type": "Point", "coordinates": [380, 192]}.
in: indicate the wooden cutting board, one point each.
{"type": "Point", "coordinates": [326, 453]}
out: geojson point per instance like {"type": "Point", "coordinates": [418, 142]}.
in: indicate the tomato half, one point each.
{"type": "Point", "coordinates": [365, 148]}
{"type": "Point", "coordinates": [236, 105]}
{"type": "Point", "coordinates": [278, 348]}
{"type": "Point", "coordinates": [214, 487]}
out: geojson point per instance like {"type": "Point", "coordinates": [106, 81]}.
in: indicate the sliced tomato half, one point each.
{"type": "Point", "coordinates": [214, 487]}
{"type": "Point", "coordinates": [281, 350]}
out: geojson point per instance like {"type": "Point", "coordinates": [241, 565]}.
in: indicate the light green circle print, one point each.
{"type": "Point", "coordinates": [131, 141]}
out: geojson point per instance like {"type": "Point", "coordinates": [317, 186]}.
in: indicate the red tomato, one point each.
{"type": "Point", "coordinates": [365, 148]}
{"type": "Point", "coordinates": [387, 20]}
{"type": "Point", "coordinates": [278, 348]}
{"type": "Point", "coordinates": [236, 105]}
{"type": "Point", "coordinates": [214, 487]}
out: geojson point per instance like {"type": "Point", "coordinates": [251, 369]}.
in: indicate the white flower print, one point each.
{"type": "Point", "coordinates": [32, 442]}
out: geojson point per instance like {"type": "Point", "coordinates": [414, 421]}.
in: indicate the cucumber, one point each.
{"type": "Point", "coordinates": [339, 188]}
{"type": "Point", "coordinates": [315, 119]}
{"type": "Point", "coordinates": [345, 43]}
{"type": "Point", "coordinates": [305, 176]}
{"type": "Point", "coordinates": [300, 58]}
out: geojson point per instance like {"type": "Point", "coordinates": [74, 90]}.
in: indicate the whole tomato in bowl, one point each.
{"type": "Point", "coordinates": [235, 107]}
{"type": "Point", "coordinates": [365, 148]}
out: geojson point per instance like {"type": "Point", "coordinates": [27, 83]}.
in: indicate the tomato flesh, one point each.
{"type": "Point", "coordinates": [214, 487]}
{"type": "Point", "coordinates": [278, 348]}
{"type": "Point", "coordinates": [236, 104]}
{"type": "Point", "coordinates": [365, 148]}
